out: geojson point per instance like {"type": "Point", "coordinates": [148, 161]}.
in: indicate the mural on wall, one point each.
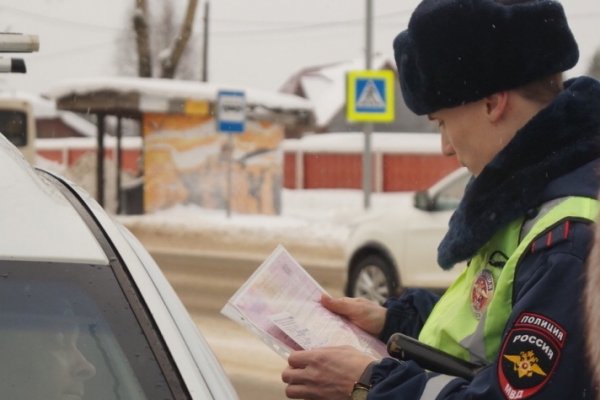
{"type": "Point", "coordinates": [186, 162]}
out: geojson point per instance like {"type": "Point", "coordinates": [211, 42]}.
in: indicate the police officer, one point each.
{"type": "Point", "coordinates": [489, 72]}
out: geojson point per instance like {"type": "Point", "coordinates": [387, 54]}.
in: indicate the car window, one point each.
{"type": "Point", "coordinates": [69, 331]}
{"type": "Point", "coordinates": [450, 195]}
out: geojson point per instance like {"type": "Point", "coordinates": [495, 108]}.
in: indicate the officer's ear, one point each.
{"type": "Point", "coordinates": [496, 106]}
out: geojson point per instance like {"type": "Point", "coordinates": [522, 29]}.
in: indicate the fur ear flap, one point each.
{"type": "Point", "coordinates": [458, 51]}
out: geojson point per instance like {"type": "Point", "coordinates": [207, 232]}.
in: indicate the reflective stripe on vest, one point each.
{"type": "Point", "coordinates": [435, 385]}
{"type": "Point", "coordinates": [456, 324]}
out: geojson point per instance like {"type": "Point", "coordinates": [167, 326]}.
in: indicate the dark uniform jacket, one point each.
{"type": "Point", "coordinates": [556, 154]}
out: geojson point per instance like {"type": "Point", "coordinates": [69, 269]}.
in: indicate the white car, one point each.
{"type": "Point", "coordinates": [85, 312]}
{"type": "Point", "coordinates": [390, 249]}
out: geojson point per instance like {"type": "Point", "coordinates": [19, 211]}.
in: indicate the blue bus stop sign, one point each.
{"type": "Point", "coordinates": [231, 111]}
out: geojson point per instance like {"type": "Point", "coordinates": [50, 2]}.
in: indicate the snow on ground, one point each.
{"type": "Point", "coordinates": [319, 216]}
{"type": "Point", "coordinates": [311, 220]}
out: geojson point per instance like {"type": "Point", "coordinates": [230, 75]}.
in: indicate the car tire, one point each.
{"type": "Point", "coordinates": [373, 277]}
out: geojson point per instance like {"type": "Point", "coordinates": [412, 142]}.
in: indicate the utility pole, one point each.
{"type": "Point", "coordinates": [205, 43]}
{"type": "Point", "coordinates": [367, 177]}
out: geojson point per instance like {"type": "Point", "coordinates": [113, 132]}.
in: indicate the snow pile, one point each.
{"type": "Point", "coordinates": [313, 222]}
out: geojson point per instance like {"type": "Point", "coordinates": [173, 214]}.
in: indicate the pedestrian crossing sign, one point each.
{"type": "Point", "coordinates": [370, 96]}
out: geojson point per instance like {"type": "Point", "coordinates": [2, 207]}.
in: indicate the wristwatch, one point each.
{"type": "Point", "coordinates": [363, 385]}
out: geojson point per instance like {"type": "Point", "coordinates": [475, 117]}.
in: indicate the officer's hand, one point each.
{"type": "Point", "coordinates": [326, 373]}
{"type": "Point", "coordinates": [363, 313]}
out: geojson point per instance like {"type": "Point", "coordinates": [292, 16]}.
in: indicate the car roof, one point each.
{"type": "Point", "coordinates": [32, 206]}
{"type": "Point", "coordinates": [451, 177]}
{"type": "Point", "coordinates": [31, 209]}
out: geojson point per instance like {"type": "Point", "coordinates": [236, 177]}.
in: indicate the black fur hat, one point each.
{"type": "Point", "coordinates": [458, 51]}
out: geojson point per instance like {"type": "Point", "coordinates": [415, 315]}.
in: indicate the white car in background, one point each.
{"type": "Point", "coordinates": [390, 249]}
{"type": "Point", "coordinates": [85, 311]}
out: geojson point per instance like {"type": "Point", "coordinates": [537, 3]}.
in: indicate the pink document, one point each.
{"type": "Point", "coordinates": [280, 303]}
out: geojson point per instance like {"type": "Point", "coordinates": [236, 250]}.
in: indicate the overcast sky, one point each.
{"type": "Point", "coordinates": [253, 43]}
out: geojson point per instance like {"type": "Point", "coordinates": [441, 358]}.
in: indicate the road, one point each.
{"type": "Point", "coordinates": [204, 283]}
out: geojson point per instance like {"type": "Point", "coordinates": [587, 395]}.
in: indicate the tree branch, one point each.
{"type": "Point", "coordinates": [169, 64]}
{"type": "Point", "coordinates": [140, 26]}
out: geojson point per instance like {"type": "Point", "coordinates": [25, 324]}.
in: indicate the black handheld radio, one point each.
{"type": "Point", "coordinates": [407, 348]}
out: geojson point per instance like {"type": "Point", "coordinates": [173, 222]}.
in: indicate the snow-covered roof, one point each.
{"type": "Point", "coordinates": [167, 89]}
{"type": "Point", "coordinates": [81, 125]}
{"type": "Point", "coordinates": [41, 107]}
{"type": "Point", "coordinates": [345, 142]}
{"type": "Point", "coordinates": [326, 87]}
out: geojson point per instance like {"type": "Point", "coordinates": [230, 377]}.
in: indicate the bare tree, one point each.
{"type": "Point", "coordinates": [160, 45]}
{"type": "Point", "coordinates": [170, 62]}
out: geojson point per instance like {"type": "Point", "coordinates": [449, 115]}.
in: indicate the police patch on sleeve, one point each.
{"type": "Point", "coordinates": [529, 355]}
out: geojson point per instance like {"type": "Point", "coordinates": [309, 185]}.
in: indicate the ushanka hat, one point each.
{"type": "Point", "coordinates": [458, 51]}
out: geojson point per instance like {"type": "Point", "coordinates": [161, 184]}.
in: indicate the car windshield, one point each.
{"type": "Point", "coordinates": [448, 197]}
{"type": "Point", "coordinates": [71, 334]}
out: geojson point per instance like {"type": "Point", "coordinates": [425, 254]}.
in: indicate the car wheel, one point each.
{"type": "Point", "coordinates": [372, 277]}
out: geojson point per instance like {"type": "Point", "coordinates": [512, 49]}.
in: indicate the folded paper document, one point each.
{"type": "Point", "coordinates": [280, 303]}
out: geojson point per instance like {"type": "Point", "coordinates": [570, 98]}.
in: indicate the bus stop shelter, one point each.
{"type": "Point", "coordinates": [149, 100]}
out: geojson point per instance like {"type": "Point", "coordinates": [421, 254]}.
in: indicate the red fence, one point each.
{"type": "Point", "coordinates": [68, 151]}
{"type": "Point", "coordinates": [400, 161]}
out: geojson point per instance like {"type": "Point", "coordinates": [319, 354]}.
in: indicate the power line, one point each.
{"type": "Point", "coordinates": [380, 16]}
{"type": "Point", "coordinates": [295, 28]}
{"type": "Point", "coordinates": [305, 27]}
{"type": "Point", "coordinates": [279, 22]}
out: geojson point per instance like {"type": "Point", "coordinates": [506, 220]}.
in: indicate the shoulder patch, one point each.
{"type": "Point", "coordinates": [552, 237]}
{"type": "Point", "coordinates": [529, 355]}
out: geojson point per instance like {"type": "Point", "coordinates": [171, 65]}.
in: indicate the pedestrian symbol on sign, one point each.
{"type": "Point", "coordinates": [371, 94]}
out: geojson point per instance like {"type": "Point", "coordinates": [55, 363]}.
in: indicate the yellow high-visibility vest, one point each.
{"type": "Point", "coordinates": [469, 319]}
